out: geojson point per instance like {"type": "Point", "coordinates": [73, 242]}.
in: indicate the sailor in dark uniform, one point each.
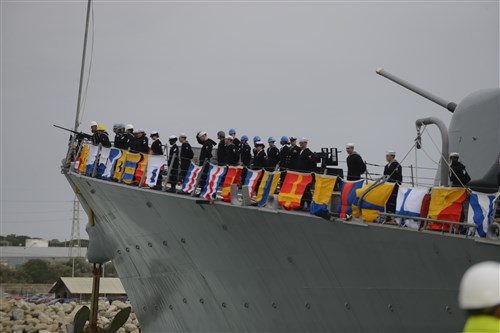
{"type": "Point", "coordinates": [246, 152]}
{"type": "Point", "coordinates": [207, 145]}
{"type": "Point", "coordinates": [393, 168]}
{"type": "Point", "coordinates": [458, 174]}
{"type": "Point", "coordinates": [294, 153]}
{"type": "Point", "coordinates": [236, 141]}
{"type": "Point", "coordinates": [306, 163]}
{"type": "Point", "coordinates": [273, 154]}
{"type": "Point", "coordinates": [285, 157]}
{"type": "Point", "coordinates": [260, 158]}
{"type": "Point", "coordinates": [186, 155]}
{"type": "Point", "coordinates": [129, 136]}
{"type": "Point", "coordinates": [355, 164]}
{"type": "Point", "coordinates": [221, 148]}
{"type": "Point", "coordinates": [102, 137]}
{"type": "Point", "coordinates": [173, 162]}
{"type": "Point", "coordinates": [140, 143]}
{"type": "Point", "coordinates": [255, 140]}
{"type": "Point", "coordinates": [120, 137]}
{"type": "Point", "coordinates": [93, 130]}
{"type": "Point", "coordinates": [156, 149]}
{"type": "Point", "coordinates": [231, 152]}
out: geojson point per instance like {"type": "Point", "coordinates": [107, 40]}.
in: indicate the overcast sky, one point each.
{"type": "Point", "coordinates": [265, 68]}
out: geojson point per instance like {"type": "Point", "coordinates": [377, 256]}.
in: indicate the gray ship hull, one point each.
{"type": "Point", "coordinates": [193, 267]}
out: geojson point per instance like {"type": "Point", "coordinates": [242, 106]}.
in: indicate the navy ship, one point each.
{"type": "Point", "coordinates": [195, 265]}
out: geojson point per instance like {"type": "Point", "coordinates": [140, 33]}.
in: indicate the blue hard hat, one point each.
{"type": "Point", "coordinates": [232, 131]}
{"type": "Point", "coordinates": [271, 139]}
{"type": "Point", "coordinates": [244, 138]}
{"type": "Point", "coordinates": [256, 138]}
{"type": "Point", "coordinates": [284, 138]}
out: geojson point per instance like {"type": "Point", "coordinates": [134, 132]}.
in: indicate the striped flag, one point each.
{"type": "Point", "coordinates": [233, 176]}
{"type": "Point", "coordinates": [141, 168]}
{"type": "Point", "coordinates": [82, 159]}
{"type": "Point", "coordinates": [215, 176]}
{"type": "Point", "coordinates": [409, 203]}
{"type": "Point", "coordinates": [114, 155]}
{"type": "Point", "coordinates": [192, 175]}
{"type": "Point", "coordinates": [130, 166]}
{"type": "Point", "coordinates": [348, 196]}
{"type": "Point", "coordinates": [155, 163]}
{"type": "Point", "coordinates": [89, 169]}
{"type": "Point", "coordinates": [293, 188]}
{"type": "Point", "coordinates": [267, 186]}
{"type": "Point", "coordinates": [120, 165]}
{"type": "Point", "coordinates": [481, 211]}
{"type": "Point", "coordinates": [323, 190]}
{"type": "Point", "coordinates": [446, 204]}
{"type": "Point", "coordinates": [251, 180]}
{"type": "Point", "coordinates": [103, 160]}
{"type": "Point", "coordinates": [373, 202]}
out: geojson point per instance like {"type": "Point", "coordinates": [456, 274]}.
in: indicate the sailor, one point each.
{"type": "Point", "coordinates": [294, 153]}
{"type": "Point", "coordinates": [255, 140]}
{"type": "Point", "coordinates": [305, 160]}
{"type": "Point", "coordinates": [285, 155]}
{"type": "Point", "coordinates": [186, 155]}
{"type": "Point", "coordinates": [156, 146]}
{"type": "Point", "coordinates": [93, 130]}
{"type": "Point", "coordinates": [102, 136]}
{"type": "Point", "coordinates": [246, 152]}
{"type": "Point", "coordinates": [273, 154]}
{"type": "Point", "coordinates": [393, 168]}
{"type": "Point", "coordinates": [120, 138]}
{"type": "Point", "coordinates": [355, 164]}
{"type": "Point", "coordinates": [232, 157]}
{"type": "Point", "coordinates": [173, 162]}
{"type": "Point", "coordinates": [140, 143]}
{"type": "Point", "coordinates": [479, 296]}
{"type": "Point", "coordinates": [260, 158]}
{"type": "Point", "coordinates": [458, 174]}
{"type": "Point", "coordinates": [221, 148]}
{"type": "Point", "coordinates": [207, 145]}
{"type": "Point", "coordinates": [236, 141]}
{"type": "Point", "coordinates": [129, 137]}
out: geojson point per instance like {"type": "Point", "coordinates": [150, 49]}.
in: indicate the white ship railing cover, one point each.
{"type": "Point", "coordinates": [443, 209]}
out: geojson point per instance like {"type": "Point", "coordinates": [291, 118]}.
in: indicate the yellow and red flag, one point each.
{"type": "Point", "coordinates": [293, 188]}
{"type": "Point", "coordinates": [120, 165]}
{"type": "Point", "coordinates": [141, 168]}
{"type": "Point", "coordinates": [82, 158]}
{"type": "Point", "coordinates": [323, 190]}
{"type": "Point", "coordinates": [446, 204]}
{"type": "Point", "coordinates": [233, 176]}
{"type": "Point", "coordinates": [268, 184]}
{"type": "Point", "coordinates": [373, 202]}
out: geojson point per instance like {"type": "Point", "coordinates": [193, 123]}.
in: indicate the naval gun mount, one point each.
{"type": "Point", "coordinates": [474, 132]}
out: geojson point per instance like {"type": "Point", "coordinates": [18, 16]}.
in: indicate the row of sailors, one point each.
{"type": "Point", "coordinates": [234, 151]}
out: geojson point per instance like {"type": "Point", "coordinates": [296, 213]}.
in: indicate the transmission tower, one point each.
{"type": "Point", "coordinates": [75, 249]}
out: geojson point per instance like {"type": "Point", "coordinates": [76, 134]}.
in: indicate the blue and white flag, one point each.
{"type": "Point", "coordinates": [251, 179]}
{"type": "Point", "coordinates": [113, 156]}
{"type": "Point", "coordinates": [91, 160]}
{"type": "Point", "coordinates": [155, 162]}
{"type": "Point", "coordinates": [103, 160]}
{"type": "Point", "coordinates": [215, 176]}
{"type": "Point", "coordinates": [191, 178]}
{"type": "Point", "coordinates": [409, 203]}
{"type": "Point", "coordinates": [481, 211]}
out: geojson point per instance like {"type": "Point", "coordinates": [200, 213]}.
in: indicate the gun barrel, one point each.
{"type": "Point", "coordinates": [436, 99]}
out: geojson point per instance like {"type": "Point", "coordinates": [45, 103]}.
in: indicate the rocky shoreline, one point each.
{"type": "Point", "coordinates": [23, 317]}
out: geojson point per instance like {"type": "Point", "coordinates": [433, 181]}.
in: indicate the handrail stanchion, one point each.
{"type": "Point", "coordinates": [199, 177]}
{"type": "Point", "coordinates": [169, 171]}
{"type": "Point", "coordinates": [412, 180]}
{"type": "Point", "coordinates": [96, 162]}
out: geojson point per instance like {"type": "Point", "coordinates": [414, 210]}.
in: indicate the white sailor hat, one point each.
{"type": "Point", "coordinates": [141, 130]}
{"type": "Point", "coordinates": [154, 133]}
{"type": "Point", "coordinates": [182, 135]}
{"type": "Point", "coordinates": [454, 154]}
{"type": "Point", "coordinates": [93, 123]}
{"type": "Point", "coordinates": [304, 140]}
{"type": "Point", "coordinates": [202, 133]}
{"type": "Point", "coordinates": [172, 137]}
{"type": "Point", "coordinates": [293, 138]}
{"type": "Point", "coordinates": [349, 145]}
{"type": "Point", "coordinates": [259, 143]}
{"type": "Point", "coordinates": [229, 137]}
{"type": "Point", "coordinates": [129, 127]}
{"type": "Point", "coordinates": [390, 152]}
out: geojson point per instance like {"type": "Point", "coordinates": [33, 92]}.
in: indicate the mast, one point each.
{"type": "Point", "coordinates": [82, 69]}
